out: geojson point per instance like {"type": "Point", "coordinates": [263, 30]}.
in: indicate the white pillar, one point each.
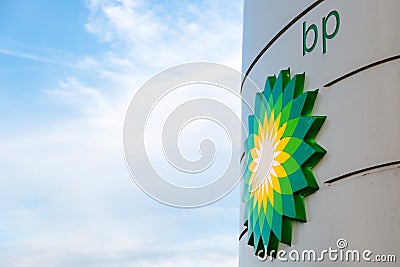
{"type": "Point", "coordinates": [357, 72]}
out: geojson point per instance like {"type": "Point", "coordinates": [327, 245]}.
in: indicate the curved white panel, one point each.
{"type": "Point", "coordinates": [362, 129]}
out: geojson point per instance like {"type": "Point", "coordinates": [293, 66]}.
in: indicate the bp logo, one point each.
{"type": "Point", "coordinates": [281, 153]}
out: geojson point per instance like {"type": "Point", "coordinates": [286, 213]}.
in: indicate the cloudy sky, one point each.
{"type": "Point", "coordinates": [68, 70]}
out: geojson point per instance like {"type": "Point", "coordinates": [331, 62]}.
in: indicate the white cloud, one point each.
{"type": "Point", "coordinates": [161, 35]}
{"type": "Point", "coordinates": [73, 90]}
{"type": "Point", "coordinates": [68, 195]}
{"type": "Point", "coordinates": [97, 248]}
{"type": "Point", "coordinates": [31, 57]}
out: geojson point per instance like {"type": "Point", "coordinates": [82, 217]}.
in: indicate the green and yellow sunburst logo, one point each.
{"type": "Point", "coordinates": [281, 153]}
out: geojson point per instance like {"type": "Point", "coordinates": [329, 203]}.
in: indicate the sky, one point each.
{"type": "Point", "coordinates": [68, 70]}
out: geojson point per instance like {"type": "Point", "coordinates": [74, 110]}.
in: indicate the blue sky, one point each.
{"type": "Point", "coordinates": [68, 70]}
